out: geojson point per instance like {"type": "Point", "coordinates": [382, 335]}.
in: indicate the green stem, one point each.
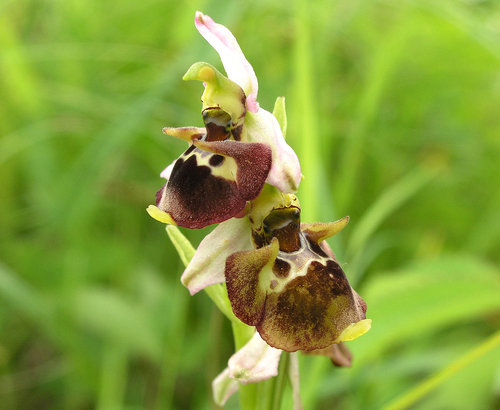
{"type": "Point", "coordinates": [279, 382]}
{"type": "Point", "coordinates": [218, 294]}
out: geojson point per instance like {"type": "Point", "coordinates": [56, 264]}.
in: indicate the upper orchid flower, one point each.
{"type": "Point", "coordinates": [261, 125]}
{"type": "Point", "coordinates": [239, 150]}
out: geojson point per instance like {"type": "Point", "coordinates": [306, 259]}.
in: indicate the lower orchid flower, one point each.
{"type": "Point", "coordinates": [280, 277]}
{"type": "Point", "coordinates": [296, 295]}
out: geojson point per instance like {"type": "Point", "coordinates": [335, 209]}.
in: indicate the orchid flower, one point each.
{"type": "Point", "coordinates": [279, 276]}
{"type": "Point", "coordinates": [240, 148]}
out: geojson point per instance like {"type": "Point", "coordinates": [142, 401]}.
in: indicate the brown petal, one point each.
{"type": "Point", "coordinates": [311, 311]}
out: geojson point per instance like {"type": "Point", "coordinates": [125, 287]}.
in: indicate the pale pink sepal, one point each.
{"type": "Point", "coordinates": [293, 374]}
{"type": "Point", "coordinates": [223, 387]}
{"type": "Point", "coordinates": [209, 261]}
{"type": "Point", "coordinates": [254, 362]}
{"type": "Point", "coordinates": [285, 171]}
{"type": "Point", "coordinates": [167, 171]}
{"type": "Point", "coordinates": [236, 65]}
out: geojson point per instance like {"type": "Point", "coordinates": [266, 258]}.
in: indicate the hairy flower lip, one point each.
{"type": "Point", "coordinates": [213, 180]}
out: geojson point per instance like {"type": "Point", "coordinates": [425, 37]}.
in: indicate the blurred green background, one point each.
{"type": "Point", "coordinates": [394, 110]}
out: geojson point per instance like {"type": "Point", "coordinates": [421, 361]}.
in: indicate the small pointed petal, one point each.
{"type": "Point", "coordinates": [285, 172]}
{"type": "Point", "coordinates": [220, 91]}
{"type": "Point", "coordinates": [254, 362]}
{"type": "Point", "coordinates": [320, 231]}
{"type": "Point", "coordinates": [293, 374]}
{"type": "Point", "coordinates": [236, 65]}
{"type": "Point", "coordinates": [160, 215]}
{"type": "Point", "coordinates": [188, 134]}
{"type": "Point", "coordinates": [253, 161]}
{"type": "Point", "coordinates": [247, 283]}
{"type": "Point", "coordinates": [207, 265]}
{"type": "Point", "coordinates": [338, 353]}
{"type": "Point", "coordinates": [223, 387]}
{"type": "Point", "coordinates": [311, 311]}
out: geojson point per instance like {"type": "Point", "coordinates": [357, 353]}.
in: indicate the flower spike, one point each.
{"type": "Point", "coordinates": [281, 276]}
{"type": "Point", "coordinates": [188, 134]}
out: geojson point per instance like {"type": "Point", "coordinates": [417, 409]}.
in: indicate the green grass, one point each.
{"type": "Point", "coordinates": [393, 110]}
